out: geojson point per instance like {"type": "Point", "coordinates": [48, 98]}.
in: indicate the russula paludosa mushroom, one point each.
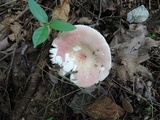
{"type": "Point", "coordinates": [83, 50]}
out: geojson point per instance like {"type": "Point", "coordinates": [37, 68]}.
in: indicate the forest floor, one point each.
{"type": "Point", "coordinates": [31, 90]}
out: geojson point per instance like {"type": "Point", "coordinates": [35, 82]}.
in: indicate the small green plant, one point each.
{"type": "Point", "coordinates": [148, 109]}
{"type": "Point", "coordinates": [152, 35]}
{"type": "Point", "coordinates": [41, 34]}
{"type": "Point", "coordinates": [51, 118]}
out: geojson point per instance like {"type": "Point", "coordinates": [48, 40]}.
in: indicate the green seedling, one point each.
{"type": "Point", "coordinates": [152, 35]}
{"type": "Point", "coordinates": [41, 34]}
{"type": "Point", "coordinates": [148, 109]}
{"type": "Point", "coordinates": [51, 118]}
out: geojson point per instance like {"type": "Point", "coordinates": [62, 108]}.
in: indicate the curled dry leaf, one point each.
{"type": "Point", "coordinates": [127, 105]}
{"type": "Point", "coordinates": [104, 109]}
{"type": "Point", "coordinates": [4, 26]}
{"type": "Point", "coordinates": [61, 11]}
{"type": "Point", "coordinates": [84, 20]}
{"type": "Point", "coordinates": [16, 28]}
{"type": "Point", "coordinates": [7, 20]}
{"type": "Point", "coordinates": [12, 37]}
{"type": "Point", "coordinates": [123, 35]}
{"type": "Point", "coordinates": [131, 52]}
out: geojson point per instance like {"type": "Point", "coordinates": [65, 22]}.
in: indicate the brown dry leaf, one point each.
{"type": "Point", "coordinates": [4, 26]}
{"type": "Point", "coordinates": [123, 35]}
{"type": "Point", "coordinates": [104, 109]}
{"type": "Point", "coordinates": [16, 28]}
{"type": "Point", "coordinates": [84, 20]}
{"type": "Point", "coordinates": [61, 11]}
{"type": "Point", "coordinates": [127, 105]}
{"type": "Point", "coordinates": [131, 52]}
{"type": "Point", "coordinates": [7, 20]}
{"type": "Point", "coordinates": [12, 37]}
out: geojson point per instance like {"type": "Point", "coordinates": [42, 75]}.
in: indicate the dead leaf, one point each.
{"type": "Point", "coordinates": [12, 37]}
{"type": "Point", "coordinates": [104, 109]}
{"type": "Point", "coordinates": [127, 105]}
{"type": "Point", "coordinates": [105, 5]}
{"type": "Point", "coordinates": [7, 20]}
{"type": "Point", "coordinates": [84, 20]}
{"type": "Point", "coordinates": [123, 35]}
{"type": "Point", "coordinates": [144, 72]}
{"type": "Point", "coordinates": [131, 52]}
{"type": "Point", "coordinates": [15, 28]}
{"type": "Point", "coordinates": [62, 11]}
{"type": "Point", "coordinates": [4, 26]}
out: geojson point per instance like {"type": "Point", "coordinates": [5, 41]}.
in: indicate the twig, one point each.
{"type": "Point", "coordinates": [5, 4]}
{"type": "Point", "coordinates": [24, 11]}
{"type": "Point", "coordinates": [158, 4]}
{"type": "Point", "coordinates": [7, 97]}
{"type": "Point", "coordinates": [131, 92]}
{"type": "Point", "coordinates": [100, 11]}
{"type": "Point", "coordinates": [10, 66]}
{"type": "Point", "coordinates": [149, 4]}
{"type": "Point", "coordinates": [6, 55]}
{"type": "Point", "coordinates": [59, 99]}
{"type": "Point", "coordinates": [45, 112]}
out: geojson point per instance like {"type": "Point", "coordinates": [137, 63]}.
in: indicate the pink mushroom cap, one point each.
{"type": "Point", "coordinates": [83, 50]}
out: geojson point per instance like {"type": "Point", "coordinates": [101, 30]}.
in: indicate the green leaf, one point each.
{"type": "Point", "coordinates": [37, 11]}
{"type": "Point", "coordinates": [50, 118]}
{"type": "Point", "coordinates": [61, 25]}
{"type": "Point", "coordinates": [152, 35]}
{"type": "Point", "coordinates": [40, 35]}
{"type": "Point", "coordinates": [148, 109]}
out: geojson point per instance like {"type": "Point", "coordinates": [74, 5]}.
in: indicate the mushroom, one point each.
{"type": "Point", "coordinates": [83, 50]}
